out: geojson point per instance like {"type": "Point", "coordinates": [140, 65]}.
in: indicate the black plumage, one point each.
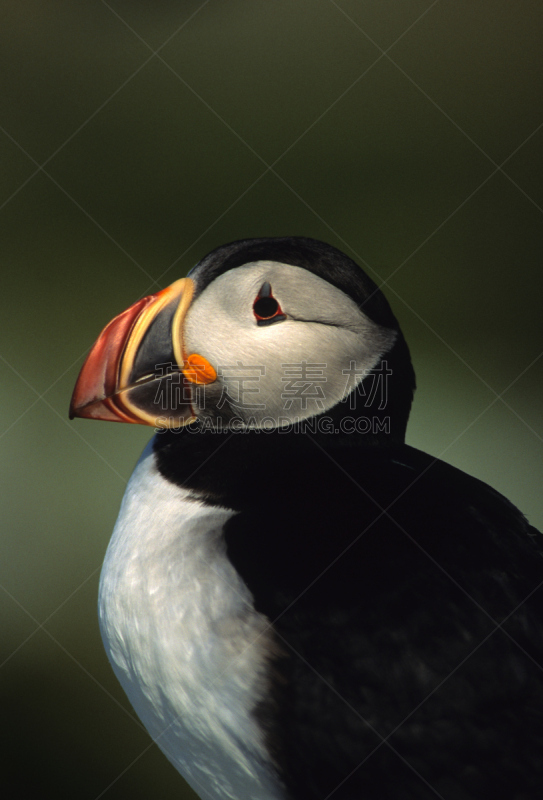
{"type": "Point", "coordinates": [406, 601]}
{"type": "Point", "coordinates": [405, 595]}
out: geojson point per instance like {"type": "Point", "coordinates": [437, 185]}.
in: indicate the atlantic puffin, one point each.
{"type": "Point", "coordinates": [299, 605]}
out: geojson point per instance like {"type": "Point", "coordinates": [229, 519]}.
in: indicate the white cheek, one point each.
{"type": "Point", "coordinates": [283, 372]}
{"type": "Point", "coordinates": [286, 371]}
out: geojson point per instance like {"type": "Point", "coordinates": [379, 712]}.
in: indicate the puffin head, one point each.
{"type": "Point", "coordinates": [263, 333]}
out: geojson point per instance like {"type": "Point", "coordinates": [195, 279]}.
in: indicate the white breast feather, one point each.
{"type": "Point", "coordinates": [184, 639]}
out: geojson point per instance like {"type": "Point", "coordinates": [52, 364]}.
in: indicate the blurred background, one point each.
{"type": "Point", "coordinates": [137, 136]}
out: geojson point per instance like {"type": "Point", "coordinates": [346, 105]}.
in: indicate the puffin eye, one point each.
{"type": "Point", "coordinates": [266, 308]}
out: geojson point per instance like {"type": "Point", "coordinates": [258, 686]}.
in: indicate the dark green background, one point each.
{"type": "Point", "coordinates": [138, 136]}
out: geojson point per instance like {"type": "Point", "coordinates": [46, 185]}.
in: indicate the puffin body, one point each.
{"type": "Point", "coordinates": [298, 605]}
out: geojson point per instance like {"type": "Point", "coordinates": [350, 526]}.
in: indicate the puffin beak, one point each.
{"type": "Point", "coordinates": [137, 370]}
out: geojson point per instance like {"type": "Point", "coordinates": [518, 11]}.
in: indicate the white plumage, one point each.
{"type": "Point", "coordinates": [179, 625]}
